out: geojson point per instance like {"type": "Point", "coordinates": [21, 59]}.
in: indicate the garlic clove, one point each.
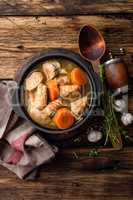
{"type": "Point", "coordinates": [119, 105]}
{"type": "Point", "coordinates": [127, 118]}
{"type": "Point", "coordinates": [94, 136]}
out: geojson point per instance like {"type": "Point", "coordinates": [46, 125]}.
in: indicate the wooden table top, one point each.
{"type": "Point", "coordinates": [27, 27]}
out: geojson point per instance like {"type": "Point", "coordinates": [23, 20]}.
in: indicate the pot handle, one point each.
{"type": "Point", "coordinates": [15, 105]}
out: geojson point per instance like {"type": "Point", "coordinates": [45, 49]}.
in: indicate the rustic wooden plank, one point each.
{"type": "Point", "coordinates": [64, 7]}
{"type": "Point", "coordinates": [124, 156]}
{"type": "Point", "coordinates": [21, 37]}
{"type": "Point", "coordinates": [65, 179]}
{"type": "Point", "coordinates": [94, 185]}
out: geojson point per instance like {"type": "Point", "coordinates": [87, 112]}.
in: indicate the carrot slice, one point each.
{"type": "Point", "coordinates": [78, 77]}
{"type": "Point", "coordinates": [53, 89]}
{"type": "Point", "coordinates": [63, 118]}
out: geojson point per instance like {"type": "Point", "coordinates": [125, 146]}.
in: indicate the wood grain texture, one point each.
{"type": "Point", "coordinates": [65, 179]}
{"type": "Point", "coordinates": [64, 7]}
{"type": "Point", "coordinates": [21, 37]}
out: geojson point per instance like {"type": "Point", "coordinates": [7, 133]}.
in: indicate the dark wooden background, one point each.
{"type": "Point", "coordinates": [29, 26]}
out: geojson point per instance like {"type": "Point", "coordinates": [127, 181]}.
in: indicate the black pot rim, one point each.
{"type": "Point", "coordinates": [45, 55]}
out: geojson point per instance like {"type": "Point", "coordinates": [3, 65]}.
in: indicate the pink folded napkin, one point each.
{"type": "Point", "coordinates": [22, 149]}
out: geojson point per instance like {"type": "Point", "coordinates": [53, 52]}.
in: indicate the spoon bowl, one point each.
{"type": "Point", "coordinates": [91, 44]}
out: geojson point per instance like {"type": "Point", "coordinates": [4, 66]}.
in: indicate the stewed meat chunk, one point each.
{"type": "Point", "coordinates": [62, 80]}
{"type": "Point", "coordinates": [78, 107]}
{"type": "Point", "coordinates": [70, 91]}
{"type": "Point", "coordinates": [51, 69]}
{"type": "Point", "coordinates": [41, 96]}
{"type": "Point", "coordinates": [33, 80]}
{"type": "Point", "coordinates": [53, 106]}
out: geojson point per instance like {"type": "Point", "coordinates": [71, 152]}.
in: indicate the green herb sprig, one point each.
{"type": "Point", "coordinates": [111, 125]}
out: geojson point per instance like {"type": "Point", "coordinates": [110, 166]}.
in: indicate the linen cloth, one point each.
{"type": "Point", "coordinates": [22, 149]}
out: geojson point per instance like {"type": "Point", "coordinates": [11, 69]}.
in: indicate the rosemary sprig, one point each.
{"type": "Point", "coordinates": [111, 125]}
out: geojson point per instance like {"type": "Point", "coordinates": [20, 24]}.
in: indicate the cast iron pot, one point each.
{"type": "Point", "coordinates": [18, 98]}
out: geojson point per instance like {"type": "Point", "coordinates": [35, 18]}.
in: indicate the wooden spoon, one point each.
{"type": "Point", "coordinates": [92, 45]}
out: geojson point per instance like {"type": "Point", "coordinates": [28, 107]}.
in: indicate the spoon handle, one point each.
{"type": "Point", "coordinates": [95, 65]}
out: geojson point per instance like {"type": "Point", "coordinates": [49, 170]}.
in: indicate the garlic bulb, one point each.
{"type": "Point", "coordinates": [127, 118]}
{"type": "Point", "coordinates": [94, 136]}
{"type": "Point", "coordinates": [119, 105]}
